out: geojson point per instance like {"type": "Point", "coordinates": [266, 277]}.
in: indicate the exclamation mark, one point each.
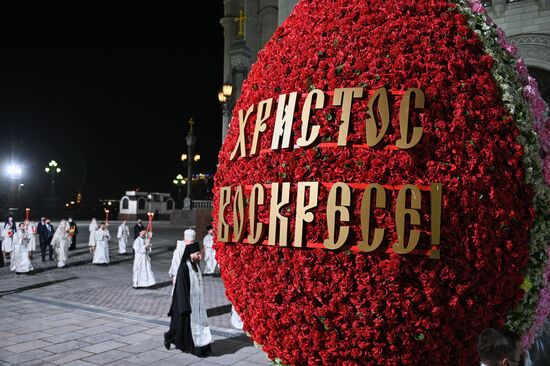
{"type": "Point", "coordinates": [435, 218]}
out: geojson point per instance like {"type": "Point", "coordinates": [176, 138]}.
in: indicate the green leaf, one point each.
{"type": "Point", "coordinates": [322, 320]}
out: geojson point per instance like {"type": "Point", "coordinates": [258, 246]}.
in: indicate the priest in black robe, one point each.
{"type": "Point", "coordinates": [189, 330]}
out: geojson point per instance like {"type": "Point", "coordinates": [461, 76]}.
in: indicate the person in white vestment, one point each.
{"type": "Point", "coordinates": [31, 230]}
{"type": "Point", "coordinates": [93, 227]}
{"type": "Point", "coordinates": [101, 248]}
{"type": "Point", "coordinates": [236, 320]}
{"type": "Point", "coordinates": [122, 236]}
{"type": "Point", "coordinates": [143, 274]}
{"type": "Point", "coordinates": [8, 232]}
{"type": "Point", "coordinates": [188, 238]}
{"type": "Point", "coordinates": [20, 257]}
{"type": "Point", "coordinates": [61, 242]}
{"type": "Point", "coordinates": [176, 258]}
{"type": "Point", "coordinates": [209, 252]}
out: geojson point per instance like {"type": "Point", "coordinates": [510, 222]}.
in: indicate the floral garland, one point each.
{"type": "Point", "coordinates": [312, 306]}
{"type": "Point", "coordinates": [523, 101]}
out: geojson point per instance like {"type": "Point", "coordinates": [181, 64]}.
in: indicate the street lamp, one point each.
{"type": "Point", "coordinates": [196, 158]}
{"type": "Point", "coordinates": [14, 171]}
{"type": "Point", "coordinates": [190, 139]}
{"type": "Point", "coordinates": [184, 159]}
{"type": "Point", "coordinates": [179, 182]}
{"type": "Point", "coordinates": [224, 97]}
{"type": "Point", "coordinates": [52, 169]}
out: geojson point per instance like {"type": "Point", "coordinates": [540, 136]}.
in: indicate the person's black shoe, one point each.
{"type": "Point", "coordinates": [166, 342]}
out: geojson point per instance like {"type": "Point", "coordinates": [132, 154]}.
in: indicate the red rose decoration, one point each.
{"type": "Point", "coordinates": [309, 305]}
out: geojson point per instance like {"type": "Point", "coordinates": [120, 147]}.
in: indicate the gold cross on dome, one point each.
{"type": "Point", "coordinates": [241, 19]}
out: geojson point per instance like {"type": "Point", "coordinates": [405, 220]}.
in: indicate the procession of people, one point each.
{"type": "Point", "coordinates": [189, 330]}
{"type": "Point", "coordinates": [21, 241]}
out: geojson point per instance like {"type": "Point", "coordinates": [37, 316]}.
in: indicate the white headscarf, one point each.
{"type": "Point", "coordinates": [176, 258]}
{"type": "Point", "coordinates": [189, 235]}
{"type": "Point", "coordinates": [60, 232]}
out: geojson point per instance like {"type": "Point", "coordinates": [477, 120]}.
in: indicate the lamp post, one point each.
{"type": "Point", "coordinates": [52, 169]}
{"type": "Point", "coordinates": [224, 97]}
{"type": "Point", "coordinates": [179, 182]}
{"type": "Point", "coordinates": [19, 205]}
{"type": "Point", "coordinates": [190, 139]}
{"type": "Point", "coordinates": [14, 172]}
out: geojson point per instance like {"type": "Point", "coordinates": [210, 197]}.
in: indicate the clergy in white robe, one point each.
{"type": "Point", "coordinates": [122, 236]}
{"type": "Point", "coordinates": [8, 232]}
{"type": "Point", "coordinates": [20, 262]}
{"type": "Point", "coordinates": [93, 227]}
{"type": "Point", "coordinates": [188, 238]}
{"type": "Point", "coordinates": [209, 252]}
{"type": "Point", "coordinates": [176, 258]}
{"type": "Point", "coordinates": [143, 274]}
{"type": "Point", "coordinates": [31, 230]}
{"type": "Point", "coordinates": [189, 330]}
{"type": "Point", "coordinates": [101, 248]}
{"type": "Point", "coordinates": [236, 320]}
{"type": "Point", "coordinates": [61, 242]}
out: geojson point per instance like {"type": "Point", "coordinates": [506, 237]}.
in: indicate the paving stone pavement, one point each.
{"type": "Point", "coordinates": [89, 315]}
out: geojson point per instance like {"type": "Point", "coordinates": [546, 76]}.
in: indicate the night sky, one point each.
{"type": "Point", "coordinates": [110, 103]}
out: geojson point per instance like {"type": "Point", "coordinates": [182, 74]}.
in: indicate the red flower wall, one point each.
{"type": "Point", "coordinates": [313, 306]}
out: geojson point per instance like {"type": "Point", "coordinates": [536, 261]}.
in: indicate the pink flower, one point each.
{"type": "Point", "coordinates": [522, 71]}
{"type": "Point", "coordinates": [542, 310]}
{"type": "Point", "coordinates": [546, 167]}
{"type": "Point", "coordinates": [477, 7]}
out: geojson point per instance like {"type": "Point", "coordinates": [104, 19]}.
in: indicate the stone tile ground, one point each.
{"type": "Point", "coordinates": [89, 315]}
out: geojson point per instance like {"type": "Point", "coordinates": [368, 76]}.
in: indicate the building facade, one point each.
{"type": "Point", "coordinates": [136, 204]}
{"type": "Point", "coordinates": [526, 24]}
{"type": "Point", "coordinates": [249, 24]}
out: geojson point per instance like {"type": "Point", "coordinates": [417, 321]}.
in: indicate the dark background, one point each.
{"type": "Point", "coordinates": [110, 103]}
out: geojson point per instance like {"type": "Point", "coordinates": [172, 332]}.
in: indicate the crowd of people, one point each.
{"type": "Point", "coordinates": [20, 242]}
{"type": "Point", "coordinates": [189, 330]}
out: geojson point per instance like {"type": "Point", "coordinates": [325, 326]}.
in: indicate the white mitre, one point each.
{"type": "Point", "coordinates": [189, 234]}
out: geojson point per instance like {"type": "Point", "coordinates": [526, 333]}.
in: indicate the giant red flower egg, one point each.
{"type": "Point", "coordinates": [380, 196]}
